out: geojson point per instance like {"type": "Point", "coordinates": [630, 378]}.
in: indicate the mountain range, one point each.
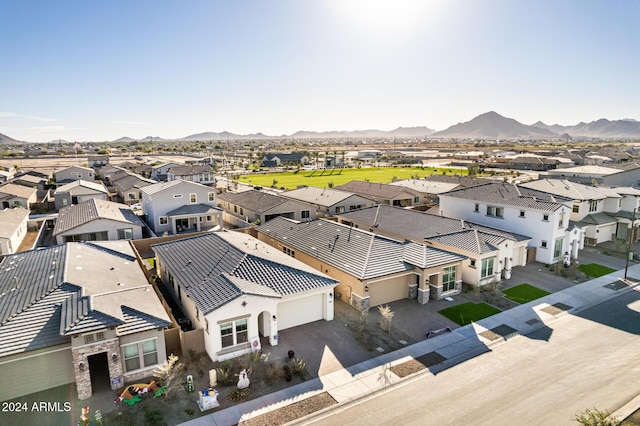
{"type": "Point", "coordinates": [489, 125]}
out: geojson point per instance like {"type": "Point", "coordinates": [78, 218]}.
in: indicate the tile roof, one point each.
{"type": "Point", "coordinates": [509, 195]}
{"type": "Point", "coordinates": [568, 189]}
{"type": "Point", "coordinates": [216, 268]}
{"type": "Point", "coordinates": [319, 196]}
{"type": "Point", "coordinates": [130, 181]}
{"type": "Point", "coordinates": [190, 170]}
{"type": "Point", "coordinates": [597, 219]}
{"type": "Point", "coordinates": [72, 288]}
{"type": "Point", "coordinates": [359, 253]}
{"type": "Point", "coordinates": [95, 186]}
{"type": "Point", "coordinates": [11, 219]}
{"type": "Point", "coordinates": [373, 189]}
{"type": "Point", "coordinates": [253, 200]}
{"type": "Point", "coordinates": [72, 216]}
{"type": "Point", "coordinates": [17, 190]}
{"type": "Point", "coordinates": [188, 209]}
{"type": "Point", "coordinates": [426, 186]}
{"type": "Point", "coordinates": [586, 170]}
{"type": "Point", "coordinates": [163, 186]}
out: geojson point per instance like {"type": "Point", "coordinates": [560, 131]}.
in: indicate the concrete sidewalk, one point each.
{"type": "Point", "coordinates": [373, 375]}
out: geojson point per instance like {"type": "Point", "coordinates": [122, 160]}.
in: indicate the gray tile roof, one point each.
{"type": "Point", "coordinates": [507, 194]}
{"type": "Point", "coordinates": [73, 186]}
{"type": "Point", "coordinates": [428, 257]}
{"type": "Point", "coordinates": [17, 190]}
{"type": "Point", "coordinates": [72, 288]}
{"type": "Point", "coordinates": [253, 200]}
{"type": "Point", "coordinates": [359, 253]}
{"type": "Point", "coordinates": [418, 226]}
{"type": "Point", "coordinates": [190, 170]}
{"type": "Point", "coordinates": [568, 189]}
{"type": "Point", "coordinates": [426, 186]}
{"type": "Point", "coordinates": [378, 190]}
{"type": "Point", "coordinates": [597, 219]}
{"type": "Point", "coordinates": [10, 220]}
{"type": "Point", "coordinates": [163, 186]}
{"type": "Point", "coordinates": [208, 268]}
{"type": "Point", "coordinates": [193, 209]}
{"type": "Point", "coordinates": [130, 181]}
{"type": "Point", "coordinates": [75, 215]}
{"type": "Point", "coordinates": [320, 196]}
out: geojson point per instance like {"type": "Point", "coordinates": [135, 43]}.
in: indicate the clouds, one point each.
{"type": "Point", "coordinates": [26, 117]}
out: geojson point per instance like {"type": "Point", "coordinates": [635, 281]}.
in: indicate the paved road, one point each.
{"type": "Point", "coordinates": [589, 359]}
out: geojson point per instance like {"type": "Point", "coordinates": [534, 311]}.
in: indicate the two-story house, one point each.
{"type": "Point", "coordinates": [159, 171]}
{"type": "Point", "coordinates": [78, 191]}
{"type": "Point", "coordinates": [328, 202]}
{"type": "Point", "coordinates": [12, 195]}
{"type": "Point", "coordinates": [73, 173]}
{"type": "Point", "coordinates": [78, 313]}
{"type": "Point", "coordinates": [128, 187]}
{"type": "Point", "coordinates": [505, 206]}
{"type": "Point", "coordinates": [13, 229]}
{"type": "Point", "coordinates": [180, 206]}
{"type": "Point", "coordinates": [200, 174]}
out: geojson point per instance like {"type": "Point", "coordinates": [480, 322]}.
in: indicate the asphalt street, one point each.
{"type": "Point", "coordinates": [581, 360]}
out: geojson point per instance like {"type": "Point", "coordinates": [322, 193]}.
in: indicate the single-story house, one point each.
{"type": "Point", "coordinates": [78, 191]}
{"type": "Point", "coordinates": [13, 195]}
{"type": "Point", "coordinates": [255, 206]}
{"type": "Point", "coordinates": [13, 229]}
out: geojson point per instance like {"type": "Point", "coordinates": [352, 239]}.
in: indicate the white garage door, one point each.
{"type": "Point", "coordinates": [300, 311]}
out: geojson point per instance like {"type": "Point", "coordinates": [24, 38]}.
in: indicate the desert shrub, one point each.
{"type": "Point", "coordinates": [595, 417]}
{"type": "Point", "coordinates": [237, 395]}
{"type": "Point", "coordinates": [169, 375]}
{"type": "Point", "coordinates": [225, 375]}
{"type": "Point", "coordinates": [298, 367]}
{"type": "Point", "coordinates": [153, 417]}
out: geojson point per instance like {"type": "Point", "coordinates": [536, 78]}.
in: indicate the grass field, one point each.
{"type": "Point", "coordinates": [335, 177]}
{"type": "Point", "coordinates": [524, 293]}
{"type": "Point", "coordinates": [594, 270]}
{"type": "Point", "coordinates": [469, 312]}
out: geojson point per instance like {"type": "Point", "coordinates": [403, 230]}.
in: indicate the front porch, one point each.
{"type": "Point", "coordinates": [195, 218]}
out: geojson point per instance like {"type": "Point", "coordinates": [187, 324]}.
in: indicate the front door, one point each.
{"type": "Point", "coordinates": [99, 372]}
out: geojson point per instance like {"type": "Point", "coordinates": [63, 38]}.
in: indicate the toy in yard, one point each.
{"type": "Point", "coordinates": [98, 417]}
{"type": "Point", "coordinates": [84, 417]}
{"type": "Point", "coordinates": [243, 379]}
{"type": "Point", "coordinates": [190, 387]}
{"type": "Point", "coordinates": [132, 393]}
{"type": "Point", "coordinates": [208, 399]}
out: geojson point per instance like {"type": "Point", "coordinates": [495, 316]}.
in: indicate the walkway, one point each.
{"type": "Point", "coordinates": [463, 343]}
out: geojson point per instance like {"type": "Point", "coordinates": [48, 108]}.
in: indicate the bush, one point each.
{"type": "Point", "coordinates": [224, 374]}
{"type": "Point", "coordinates": [237, 395]}
{"type": "Point", "coordinates": [153, 417]}
{"type": "Point", "coordinates": [298, 367]}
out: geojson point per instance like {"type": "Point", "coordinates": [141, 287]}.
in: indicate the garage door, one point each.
{"type": "Point", "coordinates": [300, 311]}
{"type": "Point", "coordinates": [388, 291]}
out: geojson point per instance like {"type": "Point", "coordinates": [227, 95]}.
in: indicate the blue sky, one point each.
{"type": "Point", "coordinates": [100, 70]}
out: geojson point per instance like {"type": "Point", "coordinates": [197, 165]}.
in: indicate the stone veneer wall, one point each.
{"type": "Point", "coordinates": [413, 291]}
{"type": "Point", "coordinates": [423, 296]}
{"type": "Point", "coordinates": [83, 377]}
{"type": "Point", "coordinates": [360, 303]}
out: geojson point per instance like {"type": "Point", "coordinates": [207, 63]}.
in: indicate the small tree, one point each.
{"type": "Point", "coordinates": [169, 375]}
{"type": "Point", "coordinates": [595, 417]}
{"type": "Point", "coordinates": [362, 321]}
{"type": "Point", "coordinates": [387, 318]}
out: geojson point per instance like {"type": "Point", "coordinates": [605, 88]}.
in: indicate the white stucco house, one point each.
{"type": "Point", "coordinates": [13, 229]}
{"type": "Point", "coordinates": [180, 206]}
{"type": "Point", "coordinates": [240, 291]}
{"type": "Point", "coordinates": [78, 191]}
{"type": "Point", "coordinates": [505, 206]}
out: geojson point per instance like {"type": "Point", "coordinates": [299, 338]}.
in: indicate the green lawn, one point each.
{"type": "Point", "coordinates": [326, 178]}
{"type": "Point", "coordinates": [469, 312]}
{"type": "Point", "coordinates": [524, 293]}
{"type": "Point", "coordinates": [594, 270]}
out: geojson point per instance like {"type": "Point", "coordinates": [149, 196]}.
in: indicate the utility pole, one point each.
{"type": "Point", "coordinates": [626, 267]}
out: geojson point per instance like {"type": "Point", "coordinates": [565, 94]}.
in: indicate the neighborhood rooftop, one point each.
{"type": "Point", "coordinates": [253, 200]}
{"type": "Point", "coordinates": [75, 215]}
{"type": "Point", "coordinates": [511, 195]}
{"type": "Point", "coordinates": [320, 196]}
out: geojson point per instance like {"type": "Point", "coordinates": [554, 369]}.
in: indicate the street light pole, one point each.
{"type": "Point", "coordinates": [626, 267]}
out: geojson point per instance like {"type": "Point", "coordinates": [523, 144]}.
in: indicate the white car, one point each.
{"type": "Point", "coordinates": [136, 206]}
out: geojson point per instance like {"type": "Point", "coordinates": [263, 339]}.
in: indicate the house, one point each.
{"type": "Point", "coordinates": [80, 313]}
{"type": "Point", "coordinates": [74, 173]}
{"type": "Point", "coordinates": [606, 212]}
{"type": "Point", "coordinates": [427, 189]}
{"type": "Point", "coordinates": [328, 202]}
{"type": "Point", "coordinates": [159, 171]}
{"type": "Point", "coordinates": [32, 181]}
{"type": "Point", "coordinates": [509, 207]}
{"type": "Point", "coordinates": [392, 195]}
{"type": "Point", "coordinates": [6, 176]}
{"type": "Point", "coordinates": [97, 161]}
{"type": "Point", "coordinates": [260, 207]}
{"type": "Point", "coordinates": [143, 170]}
{"type": "Point", "coordinates": [12, 195]}
{"type": "Point", "coordinates": [97, 220]}
{"type": "Point", "coordinates": [283, 159]}
{"type": "Point", "coordinates": [78, 191]}
{"type": "Point", "coordinates": [238, 290]}
{"type": "Point", "coordinates": [13, 229]}
{"type": "Point", "coordinates": [492, 253]}
{"type": "Point", "coordinates": [201, 174]}
{"type": "Point", "coordinates": [372, 269]}
{"type": "Point", "coordinates": [180, 206]}
{"type": "Point", "coordinates": [128, 185]}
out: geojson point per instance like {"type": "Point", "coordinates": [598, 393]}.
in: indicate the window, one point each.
{"type": "Point", "coordinates": [449, 278]}
{"type": "Point", "coordinates": [545, 217]}
{"type": "Point", "coordinates": [88, 338]}
{"type": "Point", "coordinates": [100, 335]}
{"type": "Point", "coordinates": [576, 208]}
{"type": "Point", "coordinates": [132, 196]}
{"type": "Point", "coordinates": [543, 244]}
{"type": "Point", "coordinates": [472, 263]}
{"type": "Point", "coordinates": [557, 249]}
{"type": "Point", "coordinates": [140, 355]}
{"type": "Point", "coordinates": [163, 220]}
{"type": "Point", "coordinates": [521, 213]}
{"type": "Point", "coordinates": [561, 220]}
{"type": "Point", "coordinates": [356, 207]}
{"type": "Point", "coordinates": [212, 196]}
{"type": "Point", "coordinates": [339, 209]}
{"type": "Point", "coordinates": [416, 200]}
{"type": "Point", "coordinates": [487, 268]}
{"type": "Point", "coordinates": [235, 209]}
{"type": "Point", "coordinates": [593, 205]}
{"type": "Point", "coordinates": [288, 251]}
{"type": "Point", "coordinates": [495, 211]}
{"type": "Point", "coordinates": [241, 211]}
{"type": "Point", "coordinates": [177, 195]}
{"type": "Point", "coordinates": [476, 207]}
{"type": "Point", "coordinates": [209, 218]}
{"type": "Point", "coordinates": [192, 198]}
{"type": "Point", "coordinates": [304, 214]}
{"type": "Point", "coordinates": [234, 333]}
{"type": "Point", "coordinates": [125, 234]}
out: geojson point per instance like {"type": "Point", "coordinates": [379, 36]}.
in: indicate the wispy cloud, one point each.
{"type": "Point", "coordinates": [26, 117]}
{"type": "Point", "coordinates": [133, 123]}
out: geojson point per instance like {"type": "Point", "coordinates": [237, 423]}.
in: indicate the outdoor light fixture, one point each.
{"type": "Point", "coordinates": [330, 295]}
{"type": "Point", "coordinates": [274, 318]}
{"type": "Point", "coordinates": [114, 357]}
{"type": "Point", "coordinates": [81, 366]}
{"type": "Point", "coordinates": [366, 288]}
{"type": "Point", "coordinates": [244, 303]}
